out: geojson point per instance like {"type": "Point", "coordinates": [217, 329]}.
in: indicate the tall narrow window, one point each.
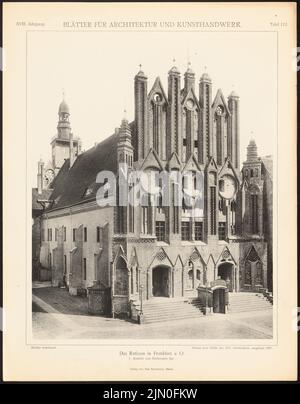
{"type": "Point", "coordinates": [258, 277]}
{"type": "Point", "coordinates": [131, 209]}
{"type": "Point", "coordinates": [65, 264]}
{"type": "Point", "coordinates": [175, 210]}
{"type": "Point", "coordinates": [56, 234]}
{"type": "Point", "coordinates": [74, 235]}
{"type": "Point", "coordinates": [189, 140]}
{"type": "Point", "coordinates": [198, 231]}
{"type": "Point", "coordinates": [160, 197]}
{"type": "Point", "coordinates": [222, 233]}
{"type": "Point", "coordinates": [175, 219]}
{"type": "Point", "coordinates": [85, 234]}
{"type": "Point", "coordinates": [99, 234]}
{"type": "Point", "coordinates": [219, 139]}
{"type": "Point", "coordinates": [65, 233]}
{"type": "Point", "coordinates": [248, 277]}
{"type": "Point", "coordinates": [254, 213]}
{"type": "Point", "coordinates": [160, 229]}
{"type": "Point", "coordinates": [156, 126]}
{"type": "Point", "coordinates": [213, 210]}
{"type": "Point", "coordinates": [185, 231]}
{"type": "Point", "coordinates": [121, 219]}
{"type": "Point", "coordinates": [49, 234]}
{"type": "Point", "coordinates": [233, 215]}
{"type": "Point", "coordinates": [84, 269]}
{"type": "Point", "coordinates": [131, 218]}
{"type": "Point", "coordinates": [145, 219]}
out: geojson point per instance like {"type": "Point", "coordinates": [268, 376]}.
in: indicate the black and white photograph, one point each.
{"type": "Point", "coordinates": [153, 204]}
{"type": "Point", "coordinates": [150, 192]}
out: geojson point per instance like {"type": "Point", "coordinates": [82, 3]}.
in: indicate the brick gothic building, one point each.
{"type": "Point", "coordinates": [166, 251]}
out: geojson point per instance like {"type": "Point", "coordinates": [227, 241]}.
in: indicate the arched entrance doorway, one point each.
{"type": "Point", "coordinates": [161, 281]}
{"type": "Point", "coordinates": [226, 272]}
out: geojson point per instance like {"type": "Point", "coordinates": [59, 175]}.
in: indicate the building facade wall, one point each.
{"type": "Point", "coordinates": [72, 253]}
{"type": "Point", "coordinates": [122, 247]}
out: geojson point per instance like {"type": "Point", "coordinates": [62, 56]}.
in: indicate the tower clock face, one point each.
{"type": "Point", "coordinates": [227, 187]}
{"type": "Point", "coordinates": [49, 175]}
{"type": "Point", "coordinates": [190, 103]}
{"type": "Point", "coordinates": [157, 97]}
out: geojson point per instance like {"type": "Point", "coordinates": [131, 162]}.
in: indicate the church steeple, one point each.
{"type": "Point", "coordinates": [125, 149]}
{"type": "Point", "coordinates": [252, 151]}
{"type": "Point", "coordinates": [64, 145]}
{"type": "Point", "coordinates": [63, 126]}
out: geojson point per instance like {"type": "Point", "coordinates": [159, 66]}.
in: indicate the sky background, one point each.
{"type": "Point", "coordinates": [96, 71]}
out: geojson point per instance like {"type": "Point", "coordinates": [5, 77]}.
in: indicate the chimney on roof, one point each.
{"type": "Point", "coordinates": [40, 176]}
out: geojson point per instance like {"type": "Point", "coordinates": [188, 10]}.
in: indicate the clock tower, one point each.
{"type": "Point", "coordinates": [64, 146]}
{"type": "Point", "coordinates": [64, 141]}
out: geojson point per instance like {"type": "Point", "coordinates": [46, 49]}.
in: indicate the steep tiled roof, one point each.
{"type": "Point", "coordinates": [78, 184]}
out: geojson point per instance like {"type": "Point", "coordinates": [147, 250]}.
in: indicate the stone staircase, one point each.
{"type": "Point", "coordinates": [166, 309]}
{"type": "Point", "coordinates": [247, 301]}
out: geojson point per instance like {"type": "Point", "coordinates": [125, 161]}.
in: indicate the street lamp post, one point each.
{"type": "Point", "coordinates": [141, 289]}
{"type": "Point", "coordinates": [141, 297]}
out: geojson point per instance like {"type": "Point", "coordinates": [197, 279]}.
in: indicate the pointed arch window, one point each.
{"type": "Point", "coordinates": [258, 276]}
{"type": "Point", "coordinates": [248, 277]}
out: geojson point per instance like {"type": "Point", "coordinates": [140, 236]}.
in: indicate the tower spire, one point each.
{"type": "Point", "coordinates": [252, 150]}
